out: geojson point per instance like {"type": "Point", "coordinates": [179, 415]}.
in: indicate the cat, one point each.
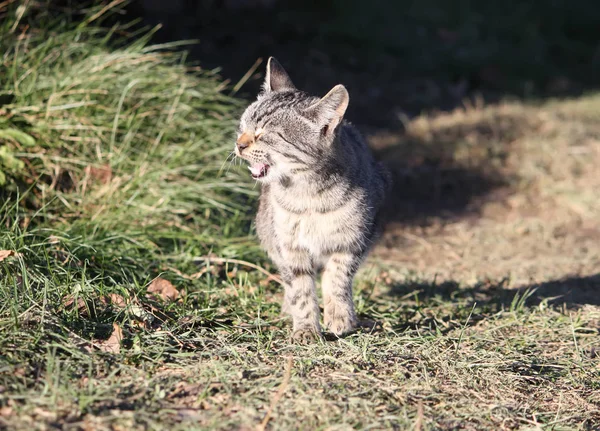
{"type": "Point", "coordinates": [321, 197]}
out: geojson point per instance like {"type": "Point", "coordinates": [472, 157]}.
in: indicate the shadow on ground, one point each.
{"type": "Point", "coordinates": [570, 292]}
{"type": "Point", "coordinates": [450, 169]}
{"type": "Point", "coordinates": [447, 306]}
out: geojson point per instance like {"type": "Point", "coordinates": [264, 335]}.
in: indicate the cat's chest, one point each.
{"type": "Point", "coordinates": [316, 231]}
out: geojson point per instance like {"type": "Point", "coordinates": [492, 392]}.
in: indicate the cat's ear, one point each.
{"type": "Point", "coordinates": [276, 78]}
{"type": "Point", "coordinates": [329, 111]}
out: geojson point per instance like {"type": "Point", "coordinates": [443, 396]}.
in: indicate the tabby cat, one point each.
{"type": "Point", "coordinates": [321, 197]}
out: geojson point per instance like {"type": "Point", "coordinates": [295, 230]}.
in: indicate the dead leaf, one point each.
{"type": "Point", "coordinates": [113, 344]}
{"type": "Point", "coordinates": [102, 174]}
{"type": "Point", "coordinates": [117, 300]}
{"type": "Point", "coordinates": [45, 414]}
{"type": "Point", "coordinates": [265, 282]}
{"type": "Point", "coordinates": [141, 324]}
{"type": "Point", "coordinates": [6, 253]}
{"type": "Point", "coordinates": [69, 302]}
{"type": "Point", "coordinates": [164, 289]}
{"type": "Point", "coordinates": [231, 291]}
{"type": "Point", "coordinates": [52, 239]}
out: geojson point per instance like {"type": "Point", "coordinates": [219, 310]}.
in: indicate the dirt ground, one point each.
{"type": "Point", "coordinates": [536, 219]}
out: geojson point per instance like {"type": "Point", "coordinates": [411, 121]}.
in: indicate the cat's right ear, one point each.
{"type": "Point", "coordinates": [277, 78]}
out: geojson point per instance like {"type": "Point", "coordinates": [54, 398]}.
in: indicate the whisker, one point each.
{"type": "Point", "coordinates": [225, 161]}
{"type": "Point", "coordinates": [231, 161]}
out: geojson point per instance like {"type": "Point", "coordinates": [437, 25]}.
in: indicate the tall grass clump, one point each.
{"type": "Point", "coordinates": [113, 170]}
{"type": "Point", "coordinates": [126, 143]}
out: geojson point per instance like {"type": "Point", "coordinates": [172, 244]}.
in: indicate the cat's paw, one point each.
{"type": "Point", "coordinates": [306, 336]}
{"type": "Point", "coordinates": [340, 324]}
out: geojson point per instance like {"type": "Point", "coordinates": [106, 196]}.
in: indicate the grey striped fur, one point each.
{"type": "Point", "coordinates": [321, 197]}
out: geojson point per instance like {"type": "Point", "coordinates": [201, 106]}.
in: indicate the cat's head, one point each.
{"type": "Point", "coordinates": [286, 132]}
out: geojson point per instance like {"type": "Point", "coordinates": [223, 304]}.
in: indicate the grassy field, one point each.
{"type": "Point", "coordinates": [133, 294]}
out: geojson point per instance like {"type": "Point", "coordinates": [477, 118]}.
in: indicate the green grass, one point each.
{"type": "Point", "coordinates": [122, 177]}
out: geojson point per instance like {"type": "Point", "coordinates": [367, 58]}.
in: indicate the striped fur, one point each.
{"type": "Point", "coordinates": [321, 196]}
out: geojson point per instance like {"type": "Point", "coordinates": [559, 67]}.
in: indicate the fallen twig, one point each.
{"type": "Point", "coordinates": [240, 262]}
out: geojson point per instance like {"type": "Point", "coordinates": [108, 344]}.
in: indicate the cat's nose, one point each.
{"type": "Point", "coordinates": [243, 141]}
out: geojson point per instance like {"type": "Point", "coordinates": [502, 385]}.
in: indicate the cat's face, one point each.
{"type": "Point", "coordinates": [285, 132]}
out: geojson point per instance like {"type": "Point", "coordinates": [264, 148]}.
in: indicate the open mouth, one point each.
{"type": "Point", "coordinates": [258, 170]}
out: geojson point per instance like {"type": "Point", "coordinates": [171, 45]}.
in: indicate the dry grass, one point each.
{"type": "Point", "coordinates": [485, 288]}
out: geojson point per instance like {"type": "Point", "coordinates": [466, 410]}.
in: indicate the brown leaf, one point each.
{"type": "Point", "coordinates": [69, 302]}
{"type": "Point", "coordinates": [164, 289]}
{"type": "Point", "coordinates": [6, 253]}
{"type": "Point", "coordinates": [45, 414]}
{"type": "Point", "coordinates": [117, 300]}
{"type": "Point", "coordinates": [265, 282]}
{"type": "Point", "coordinates": [141, 324]}
{"type": "Point", "coordinates": [113, 344]}
{"type": "Point", "coordinates": [52, 239]}
{"type": "Point", "coordinates": [102, 174]}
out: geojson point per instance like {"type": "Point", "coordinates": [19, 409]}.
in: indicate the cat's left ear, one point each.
{"type": "Point", "coordinates": [329, 111]}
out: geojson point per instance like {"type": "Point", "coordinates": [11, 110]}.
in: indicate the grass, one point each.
{"type": "Point", "coordinates": [122, 179]}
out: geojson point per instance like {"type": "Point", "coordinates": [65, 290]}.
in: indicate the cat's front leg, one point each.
{"type": "Point", "coordinates": [340, 317]}
{"type": "Point", "coordinates": [301, 300]}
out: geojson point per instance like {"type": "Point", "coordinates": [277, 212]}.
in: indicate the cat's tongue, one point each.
{"type": "Point", "coordinates": [258, 170]}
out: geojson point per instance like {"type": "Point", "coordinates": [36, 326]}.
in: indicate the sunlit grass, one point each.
{"type": "Point", "coordinates": [125, 176]}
